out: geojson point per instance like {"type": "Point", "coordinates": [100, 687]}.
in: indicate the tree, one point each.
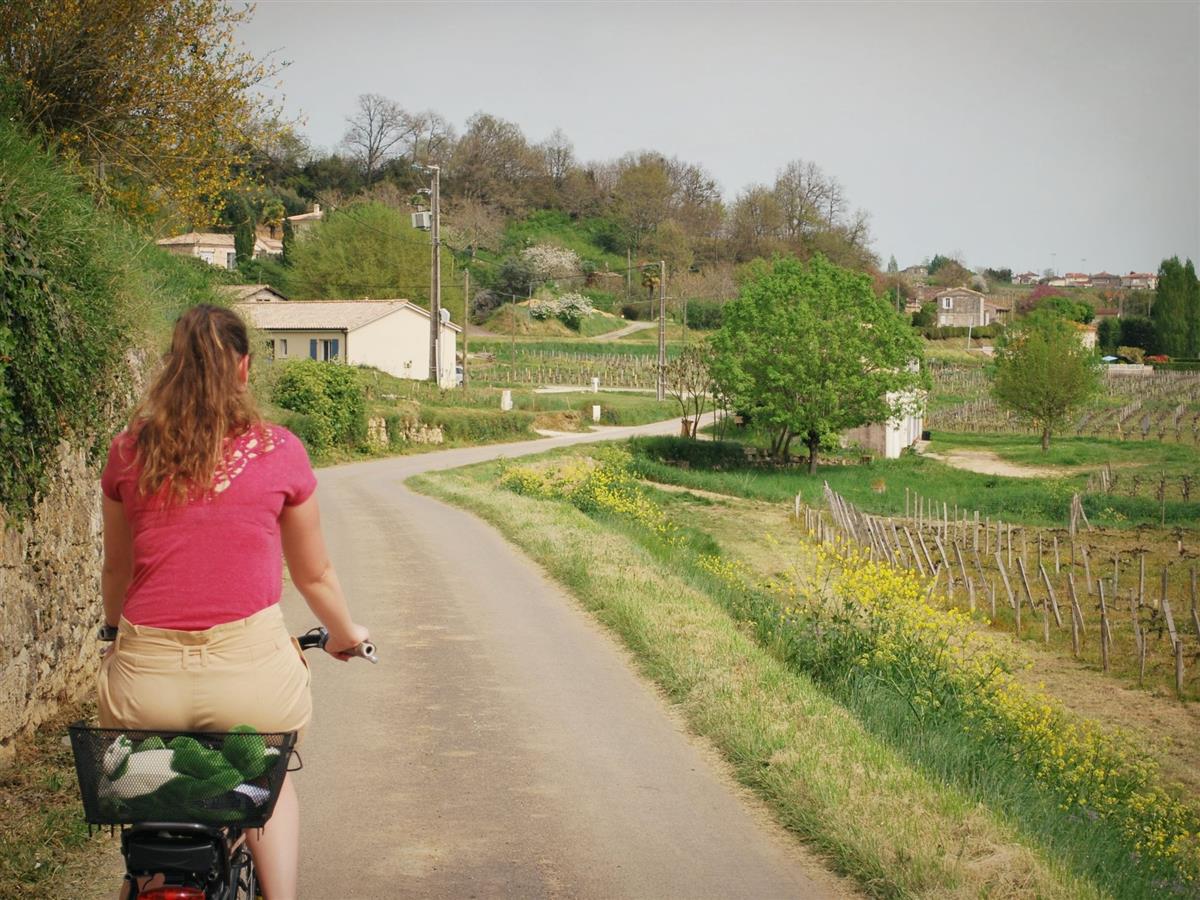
{"type": "Point", "coordinates": [689, 382]}
{"type": "Point", "coordinates": [473, 225]}
{"type": "Point", "coordinates": [243, 241]}
{"type": "Point", "coordinates": [375, 132]}
{"type": "Point", "coordinates": [1176, 310]}
{"type": "Point", "coordinates": [366, 250]}
{"type": "Point", "coordinates": [492, 163]}
{"type": "Point", "coordinates": [155, 99]}
{"type": "Point", "coordinates": [558, 156]}
{"type": "Point", "coordinates": [1043, 372]}
{"type": "Point", "coordinates": [273, 214]}
{"type": "Point", "coordinates": [811, 351]}
{"type": "Point", "coordinates": [1000, 276]}
{"type": "Point", "coordinates": [642, 196]}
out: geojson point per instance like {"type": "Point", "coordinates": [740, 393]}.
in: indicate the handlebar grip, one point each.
{"type": "Point", "coordinates": [318, 637]}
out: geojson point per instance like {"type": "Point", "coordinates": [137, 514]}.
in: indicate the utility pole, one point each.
{"type": "Point", "coordinates": [435, 282]}
{"type": "Point", "coordinates": [466, 320]}
{"type": "Point", "coordinates": [662, 330]}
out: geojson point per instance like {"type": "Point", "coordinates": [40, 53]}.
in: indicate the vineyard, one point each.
{"type": "Point", "coordinates": [549, 363]}
{"type": "Point", "coordinates": [1164, 406]}
{"type": "Point", "coordinates": [1123, 601]}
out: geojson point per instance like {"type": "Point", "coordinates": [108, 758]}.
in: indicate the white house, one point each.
{"type": "Point", "coordinates": [889, 439]}
{"type": "Point", "coordinates": [391, 335]}
{"type": "Point", "coordinates": [962, 307]}
{"type": "Point", "coordinates": [250, 293]}
{"type": "Point", "coordinates": [215, 249]}
{"type": "Point", "coordinates": [304, 221]}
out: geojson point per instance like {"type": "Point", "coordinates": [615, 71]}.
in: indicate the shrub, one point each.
{"type": "Point", "coordinates": [478, 424]}
{"type": "Point", "coordinates": [946, 332]}
{"type": "Point", "coordinates": [1134, 354]}
{"type": "Point", "coordinates": [698, 454]}
{"type": "Point", "coordinates": [629, 311]}
{"type": "Point", "coordinates": [483, 304]}
{"type": "Point", "coordinates": [330, 395]}
{"type": "Point", "coordinates": [706, 314]}
{"type": "Point", "coordinates": [542, 309]}
{"type": "Point", "coordinates": [572, 309]}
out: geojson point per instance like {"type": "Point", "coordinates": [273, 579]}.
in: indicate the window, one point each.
{"type": "Point", "coordinates": [231, 259]}
{"type": "Point", "coordinates": [324, 350]}
{"type": "Point", "coordinates": [206, 255]}
{"type": "Point", "coordinates": [270, 350]}
{"type": "Point", "coordinates": [947, 303]}
{"type": "Point", "coordinates": [283, 346]}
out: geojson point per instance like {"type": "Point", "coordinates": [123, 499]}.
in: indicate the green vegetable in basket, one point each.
{"type": "Point", "coordinates": [164, 781]}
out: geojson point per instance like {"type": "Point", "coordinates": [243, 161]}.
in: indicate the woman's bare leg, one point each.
{"type": "Point", "coordinates": [276, 847]}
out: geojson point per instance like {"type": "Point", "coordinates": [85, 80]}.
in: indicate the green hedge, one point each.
{"type": "Point", "coordinates": [705, 314]}
{"type": "Point", "coordinates": [984, 332]}
{"type": "Point", "coordinates": [330, 402]}
{"type": "Point", "coordinates": [478, 424]}
{"type": "Point", "coordinates": [697, 454]}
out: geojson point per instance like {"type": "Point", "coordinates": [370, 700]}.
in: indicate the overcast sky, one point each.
{"type": "Point", "coordinates": [1006, 132]}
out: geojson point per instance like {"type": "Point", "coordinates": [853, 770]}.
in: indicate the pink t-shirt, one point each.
{"type": "Point", "coordinates": [218, 558]}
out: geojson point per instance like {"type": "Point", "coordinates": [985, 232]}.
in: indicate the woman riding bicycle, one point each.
{"type": "Point", "coordinates": [201, 499]}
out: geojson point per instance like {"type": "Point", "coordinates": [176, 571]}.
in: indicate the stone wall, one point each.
{"type": "Point", "coordinates": [50, 603]}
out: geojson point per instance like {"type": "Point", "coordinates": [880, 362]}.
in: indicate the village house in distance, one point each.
{"type": "Point", "coordinates": [391, 335]}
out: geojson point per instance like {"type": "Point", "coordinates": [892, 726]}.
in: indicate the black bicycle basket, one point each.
{"type": "Point", "coordinates": [227, 778]}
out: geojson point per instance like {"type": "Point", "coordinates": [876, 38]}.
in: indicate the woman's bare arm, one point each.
{"type": "Point", "coordinates": [117, 570]}
{"type": "Point", "coordinates": [313, 574]}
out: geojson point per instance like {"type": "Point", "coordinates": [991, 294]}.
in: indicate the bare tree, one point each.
{"type": "Point", "coordinates": [689, 382]}
{"type": "Point", "coordinates": [559, 155]}
{"type": "Point", "coordinates": [375, 132]}
{"type": "Point", "coordinates": [428, 137]}
{"type": "Point", "coordinates": [473, 224]}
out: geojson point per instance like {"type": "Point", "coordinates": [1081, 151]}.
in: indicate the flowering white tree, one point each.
{"type": "Point", "coordinates": [570, 309]}
{"type": "Point", "coordinates": [551, 262]}
{"type": "Point", "coordinates": [573, 308]}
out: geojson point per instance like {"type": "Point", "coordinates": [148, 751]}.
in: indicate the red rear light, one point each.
{"type": "Point", "coordinates": [172, 893]}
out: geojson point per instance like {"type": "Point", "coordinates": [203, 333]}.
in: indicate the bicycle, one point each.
{"type": "Point", "coordinates": [203, 855]}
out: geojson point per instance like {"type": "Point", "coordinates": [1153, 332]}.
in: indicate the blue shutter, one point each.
{"type": "Point", "coordinates": [333, 349]}
{"type": "Point", "coordinates": [312, 348]}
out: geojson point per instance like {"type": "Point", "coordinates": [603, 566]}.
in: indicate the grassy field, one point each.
{"type": "Point", "coordinates": [880, 487]}
{"type": "Point", "coordinates": [830, 778]}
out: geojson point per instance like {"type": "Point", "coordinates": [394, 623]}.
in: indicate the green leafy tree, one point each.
{"type": "Point", "coordinates": [811, 351]}
{"type": "Point", "coordinates": [1043, 372]}
{"type": "Point", "coordinates": [156, 100]}
{"type": "Point", "coordinates": [243, 242]}
{"type": "Point", "coordinates": [366, 250]}
{"type": "Point", "coordinates": [289, 241]}
{"type": "Point", "coordinates": [1176, 310]}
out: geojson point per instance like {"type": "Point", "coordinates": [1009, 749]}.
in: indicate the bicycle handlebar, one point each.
{"type": "Point", "coordinates": [318, 637]}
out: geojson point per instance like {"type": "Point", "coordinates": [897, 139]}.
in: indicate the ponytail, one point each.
{"type": "Point", "coordinates": [194, 405]}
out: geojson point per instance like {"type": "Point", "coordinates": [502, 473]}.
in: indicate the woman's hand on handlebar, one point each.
{"type": "Point", "coordinates": [341, 645]}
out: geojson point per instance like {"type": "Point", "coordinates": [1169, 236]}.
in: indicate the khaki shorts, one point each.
{"type": "Point", "coordinates": [248, 672]}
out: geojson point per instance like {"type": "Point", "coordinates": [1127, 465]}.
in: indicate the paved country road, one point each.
{"type": "Point", "coordinates": [504, 746]}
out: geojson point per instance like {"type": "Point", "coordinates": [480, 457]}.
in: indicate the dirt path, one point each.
{"type": "Point", "coordinates": [504, 746]}
{"type": "Point", "coordinates": [985, 462]}
{"type": "Point", "coordinates": [631, 328]}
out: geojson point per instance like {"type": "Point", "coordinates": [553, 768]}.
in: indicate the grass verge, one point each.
{"type": "Point", "coordinates": [44, 843]}
{"type": "Point", "coordinates": [877, 818]}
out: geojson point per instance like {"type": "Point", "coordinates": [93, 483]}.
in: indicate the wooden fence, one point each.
{"type": "Point", "coordinates": [1109, 600]}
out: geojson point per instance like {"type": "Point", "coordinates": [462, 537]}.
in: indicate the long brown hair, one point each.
{"type": "Point", "coordinates": [193, 406]}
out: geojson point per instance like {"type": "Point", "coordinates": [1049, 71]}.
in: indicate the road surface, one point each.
{"type": "Point", "coordinates": [504, 746]}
